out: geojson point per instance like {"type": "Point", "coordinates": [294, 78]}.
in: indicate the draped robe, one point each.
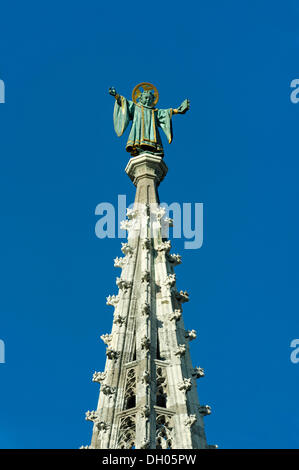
{"type": "Point", "coordinates": [144, 134]}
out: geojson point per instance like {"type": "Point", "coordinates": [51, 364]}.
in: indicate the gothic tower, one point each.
{"type": "Point", "coordinates": [148, 394]}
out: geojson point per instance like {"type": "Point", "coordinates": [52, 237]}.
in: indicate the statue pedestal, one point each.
{"type": "Point", "coordinates": [146, 171]}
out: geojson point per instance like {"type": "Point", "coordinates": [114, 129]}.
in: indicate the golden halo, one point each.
{"type": "Point", "coordinates": [146, 86]}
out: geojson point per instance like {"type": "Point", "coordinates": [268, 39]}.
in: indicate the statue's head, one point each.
{"type": "Point", "coordinates": [146, 94]}
{"type": "Point", "coordinates": [147, 98]}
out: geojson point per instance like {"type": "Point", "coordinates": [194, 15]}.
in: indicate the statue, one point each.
{"type": "Point", "coordinates": [146, 119]}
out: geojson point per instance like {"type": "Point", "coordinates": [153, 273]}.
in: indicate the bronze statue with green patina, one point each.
{"type": "Point", "coordinates": [145, 117]}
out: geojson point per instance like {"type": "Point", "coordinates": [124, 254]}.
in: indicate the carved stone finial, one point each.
{"type": "Point", "coordinates": [112, 300]}
{"type": "Point", "coordinates": [176, 315]}
{"type": "Point", "coordinates": [99, 377]}
{"type": "Point", "coordinates": [205, 410]}
{"type": "Point", "coordinates": [174, 259]}
{"type": "Point", "coordinates": [185, 385]}
{"type": "Point", "coordinates": [119, 320]}
{"type": "Point", "coordinates": [131, 213]}
{"type": "Point", "coordinates": [164, 246]}
{"type": "Point", "coordinates": [170, 280]}
{"type": "Point", "coordinates": [190, 420]}
{"type": "Point", "coordinates": [182, 296]}
{"type": "Point", "coordinates": [102, 426]}
{"type": "Point", "coordinates": [168, 221]}
{"type": "Point", "coordinates": [198, 372]}
{"type": "Point", "coordinates": [181, 349]}
{"type": "Point", "coordinates": [107, 390]}
{"type": "Point", "coordinates": [190, 334]}
{"type": "Point", "coordinates": [119, 262]}
{"type": "Point", "coordinates": [112, 354]}
{"type": "Point", "coordinates": [107, 338]}
{"type": "Point", "coordinates": [125, 224]}
{"type": "Point", "coordinates": [91, 415]}
{"type": "Point", "coordinates": [159, 212]}
{"type": "Point", "coordinates": [127, 249]}
{"type": "Point", "coordinates": [122, 284]}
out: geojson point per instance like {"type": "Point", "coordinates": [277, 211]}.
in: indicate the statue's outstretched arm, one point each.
{"type": "Point", "coordinates": [112, 92]}
{"type": "Point", "coordinates": [183, 108]}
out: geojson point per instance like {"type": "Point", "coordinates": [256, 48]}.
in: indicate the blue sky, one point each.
{"type": "Point", "coordinates": [236, 151]}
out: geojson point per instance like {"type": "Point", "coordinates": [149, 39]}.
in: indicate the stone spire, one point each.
{"type": "Point", "coordinates": [148, 394]}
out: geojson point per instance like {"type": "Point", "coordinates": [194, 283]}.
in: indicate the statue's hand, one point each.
{"type": "Point", "coordinates": [112, 91]}
{"type": "Point", "coordinates": [183, 108]}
